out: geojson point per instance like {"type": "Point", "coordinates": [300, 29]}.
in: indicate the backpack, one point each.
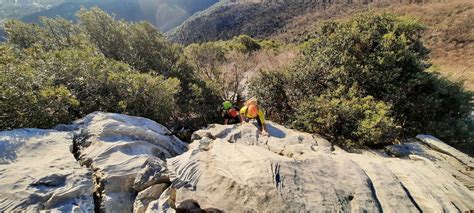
{"type": "Point", "coordinates": [233, 112]}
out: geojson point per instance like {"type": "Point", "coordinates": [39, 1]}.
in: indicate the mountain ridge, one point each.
{"type": "Point", "coordinates": [165, 14]}
{"type": "Point", "coordinates": [451, 43]}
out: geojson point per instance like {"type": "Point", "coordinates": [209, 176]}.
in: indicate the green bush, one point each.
{"type": "Point", "coordinates": [99, 60]}
{"type": "Point", "coordinates": [146, 49]}
{"type": "Point", "coordinates": [22, 34]}
{"type": "Point", "coordinates": [139, 44]}
{"type": "Point", "coordinates": [42, 89]}
{"type": "Point", "coordinates": [348, 121]}
{"type": "Point", "coordinates": [29, 98]}
{"type": "Point", "coordinates": [246, 43]}
{"type": "Point", "coordinates": [380, 61]}
{"type": "Point", "coordinates": [142, 95]}
{"type": "Point", "coordinates": [52, 34]}
{"type": "Point", "coordinates": [242, 43]}
{"type": "Point", "coordinates": [270, 88]}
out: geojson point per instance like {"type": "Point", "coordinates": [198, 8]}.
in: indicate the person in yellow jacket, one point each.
{"type": "Point", "coordinates": [251, 110]}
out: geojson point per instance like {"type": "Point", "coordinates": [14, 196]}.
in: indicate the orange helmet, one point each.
{"type": "Point", "coordinates": [233, 113]}
{"type": "Point", "coordinates": [252, 111]}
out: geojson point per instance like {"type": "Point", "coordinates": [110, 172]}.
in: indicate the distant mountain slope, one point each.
{"type": "Point", "coordinates": [449, 35]}
{"type": "Point", "coordinates": [127, 9]}
{"type": "Point", "coordinates": [231, 19]}
{"type": "Point", "coordinates": [257, 18]}
{"type": "Point", "coordinates": [19, 8]}
{"type": "Point", "coordinates": [165, 14]}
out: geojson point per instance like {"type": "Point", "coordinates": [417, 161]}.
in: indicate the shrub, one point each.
{"type": "Point", "coordinates": [99, 60]}
{"type": "Point", "coordinates": [22, 34]}
{"type": "Point", "coordinates": [140, 45]}
{"type": "Point", "coordinates": [348, 121]}
{"type": "Point", "coordinates": [270, 87]}
{"type": "Point", "coordinates": [142, 95]}
{"type": "Point", "coordinates": [207, 59]}
{"type": "Point", "coordinates": [146, 49]}
{"type": "Point", "coordinates": [41, 89]}
{"type": "Point", "coordinates": [28, 98]}
{"type": "Point", "coordinates": [246, 44]}
{"type": "Point", "coordinates": [381, 61]}
{"type": "Point", "coordinates": [51, 34]}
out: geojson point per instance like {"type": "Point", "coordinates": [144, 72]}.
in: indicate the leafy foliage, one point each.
{"type": "Point", "coordinates": [348, 120]}
{"type": "Point", "coordinates": [42, 89]}
{"type": "Point", "coordinates": [221, 65]}
{"type": "Point", "coordinates": [98, 64]}
{"type": "Point", "coordinates": [363, 77]}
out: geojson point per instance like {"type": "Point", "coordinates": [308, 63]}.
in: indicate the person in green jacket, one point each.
{"type": "Point", "coordinates": [230, 113]}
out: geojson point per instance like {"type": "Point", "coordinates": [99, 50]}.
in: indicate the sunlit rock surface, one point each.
{"type": "Point", "coordinates": [117, 163]}
{"type": "Point", "coordinates": [106, 162]}
{"type": "Point", "coordinates": [233, 168]}
{"type": "Point", "coordinates": [38, 171]}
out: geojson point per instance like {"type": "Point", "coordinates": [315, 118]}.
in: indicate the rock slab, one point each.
{"type": "Point", "coordinates": [39, 172]}
{"type": "Point", "coordinates": [234, 169]}
{"type": "Point", "coordinates": [117, 163]}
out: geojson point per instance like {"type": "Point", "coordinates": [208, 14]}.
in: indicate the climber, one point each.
{"type": "Point", "coordinates": [251, 110]}
{"type": "Point", "coordinates": [230, 113]}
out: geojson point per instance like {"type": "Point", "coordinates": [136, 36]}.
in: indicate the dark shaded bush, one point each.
{"type": "Point", "coordinates": [270, 88]}
{"type": "Point", "coordinates": [358, 79]}
{"type": "Point", "coordinates": [245, 43]}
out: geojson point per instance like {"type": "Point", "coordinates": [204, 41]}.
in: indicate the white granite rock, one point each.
{"type": "Point", "coordinates": [127, 154]}
{"type": "Point", "coordinates": [39, 172]}
{"type": "Point", "coordinates": [104, 159]}
{"type": "Point", "coordinates": [132, 164]}
{"type": "Point", "coordinates": [234, 169]}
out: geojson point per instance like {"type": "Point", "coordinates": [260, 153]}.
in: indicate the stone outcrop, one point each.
{"type": "Point", "coordinates": [38, 172]}
{"type": "Point", "coordinates": [127, 155]}
{"type": "Point", "coordinates": [117, 163]}
{"type": "Point", "coordinates": [104, 162]}
{"type": "Point", "coordinates": [233, 168]}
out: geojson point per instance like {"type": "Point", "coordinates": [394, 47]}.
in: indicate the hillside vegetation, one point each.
{"type": "Point", "coordinates": [59, 71]}
{"type": "Point", "coordinates": [449, 28]}
{"type": "Point", "coordinates": [449, 32]}
{"type": "Point", "coordinates": [365, 81]}
{"type": "Point", "coordinates": [361, 82]}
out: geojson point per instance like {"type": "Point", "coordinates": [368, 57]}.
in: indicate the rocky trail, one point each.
{"type": "Point", "coordinates": [116, 163]}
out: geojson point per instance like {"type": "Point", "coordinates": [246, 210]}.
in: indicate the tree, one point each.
{"type": "Point", "coordinates": [29, 98]}
{"type": "Point", "coordinates": [21, 34]}
{"type": "Point", "coordinates": [220, 68]}
{"type": "Point", "coordinates": [377, 60]}
{"type": "Point", "coordinates": [42, 89]}
{"type": "Point", "coordinates": [146, 49]}
{"type": "Point", "coordinates": [139, 44]}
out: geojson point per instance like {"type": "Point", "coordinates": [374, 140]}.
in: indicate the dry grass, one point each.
{"type": "Point", "coordinates": [449, 34]}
